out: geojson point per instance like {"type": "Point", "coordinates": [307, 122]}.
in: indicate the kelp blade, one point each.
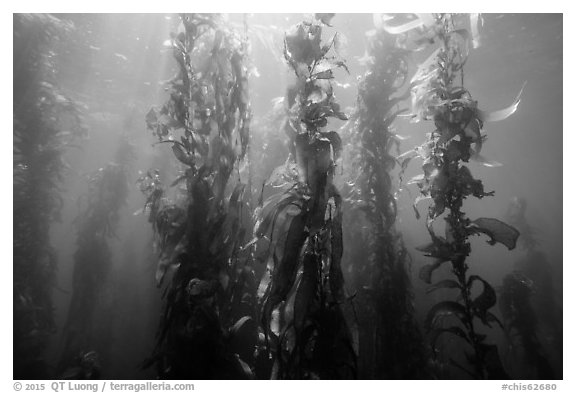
{"type": "Point", "coordinates": [502, 113]}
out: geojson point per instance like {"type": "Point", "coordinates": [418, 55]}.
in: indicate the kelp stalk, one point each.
{"type": "Point", "coordinates": [299, 232]}
{"type": "Point", "coordinates": [391, 346]}
{"type": "Point", "coordinates": [206, 122]}
{"type": "Point", "coordinates": [97, 223]}
{"type": "Point", "coordinates": [46, 123]}
{"type": "Point", "coordinates": [437, 96]}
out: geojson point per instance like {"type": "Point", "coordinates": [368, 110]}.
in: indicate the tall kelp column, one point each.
{"type": "Point", "coordinates": [439, 95]}
{"type": "Point", "coordinates": [528, 303]}
{"type": "Point", "coordinates": [88, 313]}
{"type": "Point", "coordinates": [299, 232]}
{"type": "Point", "coordinates": [45, 124]}
{"type": "Point", "coordinates": [391, 345]}
{"type": "Point", "coordinates": [199, 234]}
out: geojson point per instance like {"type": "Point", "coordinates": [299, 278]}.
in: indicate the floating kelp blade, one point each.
{"type": "Point", "coordinates": [455, 330]}
{"type": "Point", "coordinates": [284, 273]}
{"type": "Point", "coordinates": [425, 20]}
{"type": "Point", "coordinates": [479, 158]}
{"type": "Point", "coordinates": [486, 300]}
{"type": "Point", "coordinates": [415, 180]}
{"type": "Point", "coordinates": [502, 113]}
{"type": "Point", "coordinates": [497, 230]}
{"type": "Point", "coordinates": [444, 309]}
{"type": "Point", "coordinates": [426, 271]}
{"type": "Point", "coordinates": [235, 330]}
{"type": "Point", "coordinates": [427, 68]}
{"type": "Point", "coordinates": [475, 20]}
{"type": "Point", "coordinates": [404, 158]}
{"type": "Point", "coordinates": [419, 198]}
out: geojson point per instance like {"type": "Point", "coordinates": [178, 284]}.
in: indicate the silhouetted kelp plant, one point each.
{"type": "Point", "coordinates": [521, 323]}
{"type": "Point", "coordinates": [84, 332]}
{"type": "Point", "coordinates": [299, 231]}
{"type": "Point", "coordinates": [528, 303]}
{"type": "Point", "coordinates": [46, 123]}
{"type": "Point", "coordinates": [201, 233]}
{"type": "Point", "coordinates": [438, 94]}
{"type": "Point", "coordinates": [391, 345]}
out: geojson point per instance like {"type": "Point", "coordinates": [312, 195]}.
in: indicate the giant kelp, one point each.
{"type": "Point", "coordinates": [299, 231]}
{"type": "Point", "coordinates": [438, 94]}
{"type": "Point", "coordinates": [521, 325]}
{"type": "Point", "coordinates": [200, 232]}
{"type": "Point", "coordinates": [528, 303]}
{"type": "Point", "coordinates": [248, 229]}
{"type": "Point", "coordinates": [97, 223]}
{"type": "Point", "coordinates": [391, 345]}
{"type": "Point", "coordinates": [46, 123]}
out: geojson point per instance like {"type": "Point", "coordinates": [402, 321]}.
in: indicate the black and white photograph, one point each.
{"type": "Point", "coordinates": [288, 196]}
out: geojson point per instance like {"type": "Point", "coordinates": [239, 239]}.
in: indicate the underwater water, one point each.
{"type": "Point", "coordinates": [228, 233]}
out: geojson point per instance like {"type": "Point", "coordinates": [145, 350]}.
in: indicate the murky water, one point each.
{"type": "Point", "coordinates": [115, 67]}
